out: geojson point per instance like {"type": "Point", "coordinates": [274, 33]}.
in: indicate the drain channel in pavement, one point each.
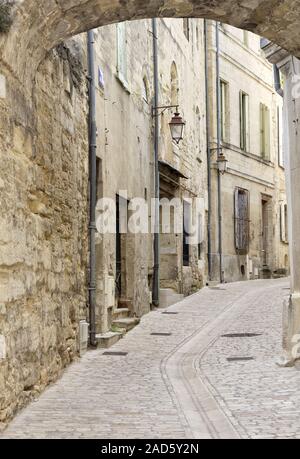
{"type": "Point", "coordinates": [161, 334]}
{"type": "Point", "coordinates": [120, 354]}
{"type": "Point", "coordinates": [239, 359]}
{"type": "Point", "coordinates": [241, 335]}
{"type": "Point", "coordinates": [170, 313]}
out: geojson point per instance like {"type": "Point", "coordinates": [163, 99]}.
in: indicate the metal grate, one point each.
{"type": "Point", "coordinates": [120, 354]}
{"type": "Point", "coordinates": [240, 359]}
{"type": "Point", "coordinates": [241, 335]}
{"type": "Point", "coordinates": [170, 313]}
{"type": "Point", "coordinates": [161, 334]}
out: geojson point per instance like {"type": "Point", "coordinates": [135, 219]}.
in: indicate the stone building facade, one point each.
{"type": "Point", "coordinates": [125, 94]}
{"type": "Point", "coordinates": [44, 189]}
{"type": "Point", "coordinates": [253, 197]}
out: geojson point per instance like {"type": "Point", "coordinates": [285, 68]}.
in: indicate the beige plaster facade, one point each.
{"type": "Point", "coordinates": [257, 170]}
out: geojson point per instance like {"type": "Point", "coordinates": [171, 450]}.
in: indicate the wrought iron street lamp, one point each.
{"type": "Point", "coordinates": [176, 124]}
{"type": "Point", "coordinates": [222, 163]}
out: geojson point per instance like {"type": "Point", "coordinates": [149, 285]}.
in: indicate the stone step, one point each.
{"type": "Point", "coordinates": [106, 340]}
{"type": "Point", "coordinates": [121, 313]}
{"type": "Point", "coordinates": [127, 323]}
{"type": "Point", "coordinates": [123, 303]}
{"type": "Point", "coordinates": [213, 283]}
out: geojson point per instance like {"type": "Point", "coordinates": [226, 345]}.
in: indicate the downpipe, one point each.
{"type": "Point", "coordinates": [92, 186]}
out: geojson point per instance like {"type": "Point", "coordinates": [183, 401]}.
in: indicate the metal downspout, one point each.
{"type": "Point", "coordinates": [218, 81]}
{"type": "Point", "coordinates": [209, 255]}
{"type": "Point", "coordinates": [156, 271]}
{"type": "Point", "coordinates": [93, 186]}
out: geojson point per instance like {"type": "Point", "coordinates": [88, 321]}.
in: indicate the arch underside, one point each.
{"type": "Point", "coordinates": [39, 25]}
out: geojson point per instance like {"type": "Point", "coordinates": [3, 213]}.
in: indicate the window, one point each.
{"type": "Point", "coordinates": [244, 121]}
{"type": "Point", "coordinates": [241, 221]}
{"type": "Point", "coordinates": [264, 132]}
{"type": "Point", "coordinates": [122, 53]}
{"type": "Point", "coordinates": [186, 28]}
{"type": "Point", "coordinates": [186, 232]}
{"type": "Point", "coordinates": [280, 137]}
{"type": "Point", "coordinates": [284, 228]}
{"type": "Point", "coordinates": [224, 110]}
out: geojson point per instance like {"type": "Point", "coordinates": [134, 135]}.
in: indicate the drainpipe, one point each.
{"type": "Point", "coordinates": [93, 186]}
{"type": "Point", "coordinates": [156, 271]}
{"type": "Point", "coordinates": [277, 81]}
{"type": "Point", "coordinates": [208, 151]}
{"type": "Point", "coordinates": [218, 81]}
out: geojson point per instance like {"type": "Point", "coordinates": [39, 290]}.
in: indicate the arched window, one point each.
{"type": "Point", "coordinates": [174, 85]}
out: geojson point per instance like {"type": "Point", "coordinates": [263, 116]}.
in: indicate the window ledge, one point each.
{"type": "Point", "coordinates": [247, 153]}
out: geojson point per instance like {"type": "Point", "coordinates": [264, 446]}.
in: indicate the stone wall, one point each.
{"type": "Point", "coordinates": [43, 231]}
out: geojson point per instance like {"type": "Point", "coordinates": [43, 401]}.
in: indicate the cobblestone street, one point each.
{"type": "Point", "coordinates": [181, 385]}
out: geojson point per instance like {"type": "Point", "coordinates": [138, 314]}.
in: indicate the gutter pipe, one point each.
{"type": "Point", "coordinates": [93, 186]}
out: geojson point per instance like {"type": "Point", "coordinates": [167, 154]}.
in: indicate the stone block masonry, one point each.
{"type": "Point", "coordinates": [43, 234]}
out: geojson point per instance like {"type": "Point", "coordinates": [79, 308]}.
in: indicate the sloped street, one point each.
{"type": "Point", "coordinates": [178, 376]}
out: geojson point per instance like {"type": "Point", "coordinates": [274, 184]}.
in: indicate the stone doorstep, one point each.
{"type": "Point", "coordinates": [127, 323]}
{"type": "Point", "coordinates": [106, 340]}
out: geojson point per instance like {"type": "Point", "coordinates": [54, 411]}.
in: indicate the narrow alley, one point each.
{"type": "Point", "coordinates": [203, 368]}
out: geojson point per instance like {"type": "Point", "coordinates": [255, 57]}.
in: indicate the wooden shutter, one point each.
{"type": "Point", "coordinates": [241, 123]}
{"type": "Point", "coordinates": [262, 130]}
{"type": "Point", "coordinates": [122, 51]}
{"type": "Point", "coordinates": [241, 220]}
{"type": "Point", "coordinates": [267, 131]}
{"type": "Point", "coordinates": [247, 131]}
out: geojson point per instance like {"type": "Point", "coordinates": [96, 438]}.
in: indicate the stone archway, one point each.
{"type": "Point", "coordinates": [38, 26]}
{"type": "Point", "coordinates": [30, 29]}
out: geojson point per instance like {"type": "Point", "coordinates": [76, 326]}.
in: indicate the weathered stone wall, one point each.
{"type": "Point", "coordinates": [43, 231]}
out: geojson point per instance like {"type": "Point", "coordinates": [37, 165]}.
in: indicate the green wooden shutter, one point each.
{"type": "Point", "coordinates": [122, 51]}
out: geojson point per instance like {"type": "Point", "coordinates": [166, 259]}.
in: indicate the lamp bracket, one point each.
{"type": "Point", "coordinates": [162, 109]}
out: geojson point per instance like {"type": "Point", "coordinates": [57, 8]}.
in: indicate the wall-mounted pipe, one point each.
{"type": "Point", "coordinates": [93, 186]}
{"type": "Point", "coordinates": [218, 92]}
{"type": "Point", "coordinates": [208, 152]}
{"type": "Point", "coordinates": [156, 269]}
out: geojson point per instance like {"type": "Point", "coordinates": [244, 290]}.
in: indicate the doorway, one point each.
{"type": "Point", "coordinates": [121, 246]}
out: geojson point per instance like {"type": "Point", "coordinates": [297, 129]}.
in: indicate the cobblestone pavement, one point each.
{"type": "Point", "coordinates": [182, 385]}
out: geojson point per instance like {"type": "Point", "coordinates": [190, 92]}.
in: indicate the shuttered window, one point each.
{"type": "Point", "coordinates": [284, 233]}
{"type": "Point", "coordinates": [122, 53]}
{"type": "Point", "coordinates": [244, 121]}
{"type": "Point", "coordinates": [264, 132]}
{"type": "Point", "coordinates": [280, 137]}
{"type": "Point", "coordinates": [224, 110]}
{"type": "Point", "coordinates": [242, 220]}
